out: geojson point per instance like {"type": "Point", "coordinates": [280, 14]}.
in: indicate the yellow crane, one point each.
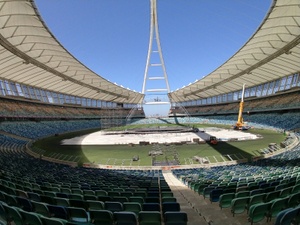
{"type": "Point", "coordinates": [240, 125]}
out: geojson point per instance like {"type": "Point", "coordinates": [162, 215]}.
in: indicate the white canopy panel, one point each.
{"type": "Point", "coordinates": [271, 53]}
{"type": "Point", "coordinates": [30, 55]}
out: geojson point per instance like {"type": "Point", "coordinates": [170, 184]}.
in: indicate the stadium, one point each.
{"type": "Point", "coordinates": [79, 149]}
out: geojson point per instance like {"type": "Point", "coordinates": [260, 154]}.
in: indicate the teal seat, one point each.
{"type": "Point", "coordinates": [2, 213]}
{"type": "Point", "coordinates": [134, 207]}
{"type": "Point", "coordinates": [91, 204]}
{"type": "Point", "coordinates": [101, 217]}
{"type": "Point", "coordinates": [62, 201]}
{"type": "Point", "coordinates": [78, 215]}
{"type": "Point", "coordinates": [41, 208]}
{"type": "Point", "coordinates": [225, 200]}
{"type": "Point", "coordinates": [238, 205]}
{"type": "Point", "coordinates": [276, 206]}
{"type": "Point", "coordinates": [138, 199]}
{"type": "Point", "coordinates": [168, 199]}
{"type": "Point", "coordinates": [149, 218]}
{"type": "Point", "coordinates": [31, 218]}
{"type": "Point", "coordinates": [258, 212]}
{"type": "Point", "coordinates": [53, 221]}
{"type": "Point", "coordinates": [13, 215]}
{"type": "Point", "coordinates": [125, 218]}
{"type": "Point", "coordinates": [254, 199]}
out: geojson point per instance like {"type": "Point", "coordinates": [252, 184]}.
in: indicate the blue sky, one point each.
{"type": "Point", "coordinates": [111, 36]}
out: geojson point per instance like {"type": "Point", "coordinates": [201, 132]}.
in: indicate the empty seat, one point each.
{"type": "Point", "coordinates": [113, 206]}
{"type": "Point", "coordinates": [125, 218]}
{"type": "Point", "coordinates": [100, 217]}
{"type": "Point", "coordinates": [170, 207]}
{"type": "Point", "coordinates": [31, 218]}
{"type": "Point", "coordinates": [41, 208]}
{"type": "Point", "coordinates": [238, 205]}
{"type": "Point", "coordinates": [78, 214]}
{"type": "Point", "coordinates": [175, 218]}
{"type": "Point", "coordinates": [149, 218]}
{"type": "Point", "coordinates": [151, 207]}
{"type": "Point", "coordinates": [258, 212]}
{"type": "Point", "coordinates": [134, 207]}
{"type": "Point", "coordinates": [225, 200]}
{"type": "Point", "coordinates": [13, 215]}
{"type": "Point", "coordinates": [91, 205]}
{"type": "Point", "coordinates": [58, 212]}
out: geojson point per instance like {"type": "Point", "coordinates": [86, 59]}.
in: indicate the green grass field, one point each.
{"type": "Point", "coordinates": [123, 154]}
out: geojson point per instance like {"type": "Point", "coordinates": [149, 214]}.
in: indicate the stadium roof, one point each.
{"type": "Point", "coordinates": [271, 53]}
{"type": "Point", "coordinates": [31, 55]}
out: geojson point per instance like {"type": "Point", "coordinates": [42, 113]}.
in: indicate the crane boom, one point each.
{"type": "Point", "coordinates": [240, 122]}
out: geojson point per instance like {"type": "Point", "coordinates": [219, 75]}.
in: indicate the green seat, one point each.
{"type": "Point", "coordinates": [92, 205]}
{"type": "Point", "coordinates": [138, 199]}
{"type": "Point", "coordinates": [201, 188]}
{"type": "Point", "coordinates": [242, 194]}
{"type": "Point", "coordinates": [167, 194]}
{"type": "Point", "coordinates": [134, 207]}
{"type": "Point", "coordinates": [293, 200]}
{"type": "Point", "coordinates": [77, 214]}
{"type": "Point", "coordinates": [62, 201]}
{"type": "Point", "coordinates": [258, 212]}
{"type": "Point", "coordinates": [225, 200]}
{"type": "Point", "coordinates": [271, 196]}
{"type": "Point", "coordinates": [149, 218]}
{"type": "Point", "coordinates": [76, 196]}
{"type": "Point", "coordinates": [41, 208]}
{"type": "Point", "coordinates": [101, 193]}
{"type": "Point", "coordinates": [13, 215]}
{"type": "Point", "coordinates": [77, 191]}
{"type": "Point", "coordinates": [238, 205]}
{"type": "Point", "coordinates": [88, 192]}
{"type": "Point", "coordinates": [168, 199]}
{"type": "Point", "coordinates": [285, 192]}
{"type": "Point", "coordinates": [125, 218]}
{"type": "Point", "coordinates": [101, 217]}
{"type": "Point", "coordinates": [2, 213]}
{"type": "Point", "coordinates": [254, 199]}
{"type": "Point", "coordinates": [296, 189]}
{"type": "Point", "coordinates": [65, 190]}
{"type": "Point", "coordinates": [126, 193]}
{"type": "Point", "coordinates": [53, 221]}
{"type": "Point", "coordinates": [276, 206]}
{"type": "Point", "coordinates": [31, 218]}
{"type": "Point", "coordinates": [206, 191]}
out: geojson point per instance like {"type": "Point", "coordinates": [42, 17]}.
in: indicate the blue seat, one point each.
{"type": "Point", "coordinates": [215, 195]}
{"type": "Point", "coordinates": [58, 212]}
{"type": "Point", "coordinates": [170, 207]}
{"type": "Point", "coordinates": [286, 216]}
{"type": "Point", "coordinates": [24, 204]}
{"type": "Point", "coordinates": [151, 207]}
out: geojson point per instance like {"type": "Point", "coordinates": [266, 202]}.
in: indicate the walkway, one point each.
{"type": "Point", "coordinates": [201, 211]}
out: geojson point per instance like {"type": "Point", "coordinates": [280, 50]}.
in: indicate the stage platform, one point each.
{"type": "Point", "coordinates": [158, 136]}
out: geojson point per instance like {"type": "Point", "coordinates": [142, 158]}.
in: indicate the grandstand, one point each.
{"type": "Point", "coordinates": [43, 93]}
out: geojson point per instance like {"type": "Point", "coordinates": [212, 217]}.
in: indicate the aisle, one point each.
{"type": "Point", "coordinates": [201, 211]}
